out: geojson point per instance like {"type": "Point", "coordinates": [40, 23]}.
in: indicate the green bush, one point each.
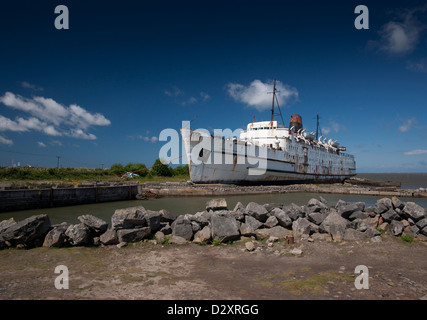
{"type": "Point", "coordinates": [160, 169]}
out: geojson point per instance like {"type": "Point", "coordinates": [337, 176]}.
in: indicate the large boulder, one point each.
{"type": "Point", "coordinates": [397, 203]}
{"type": "Point", "coordinates": [271, 222]}
{"type": "Point", "coordinates": [133, 235]}
{"type": "Point", "coordinates": [6, 224]}
{"type": "Point", "coordinates": [257, 211]}
{"type": "Point", "coordinates": [352, 235]}
{"type": "Point", "coordinates": [293, 211]}
{"type": "Point", "coordinates": [216, 204]}
{"type": "Point", "coordinates": [224, 228]}
{"type": "Point", "coordinates": [383, 205]}
{"type": "Point", "coordinates": [254, 223]}
{"type": "Point", "coordinates": [28, 231]}
{"type": "Point", "coordinates": [347, 210]}
{"type": "Point", "coordinates": [129, 218]}
{"type": "Point", "coordinates": [277, 231]}
{"type": "Point", "coordinates": [183, 228]}
{"type": "Point", "coordinates": [317, 217]}
{"type": "Point", "coordinates": [413, 211]}
{"type": "Point", "coordinates": [283, 219]}
{"type": "Point", "coordinates": [301, 227]}
{"type": "Point", "coordinates": [334, 219]}
{"type": "Point", "coordinates": [153, 220]}
{"type": "Point", "coordinates": [78, 234]}
{"type": "Point", "coordinates": [390, 215]}
{"type": "Point", "coordinates": [203, 235]}
{"type": "Point", "coordinates": [396, 228]}
{"type": "Point", "coordinates": [97, 225]}
{"type": "Point", "coordinates": [109, 237]}
{"type": "Point", "coordinates": [56, 237]}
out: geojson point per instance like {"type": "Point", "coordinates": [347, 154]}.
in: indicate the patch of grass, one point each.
{"type": "Point", "coordinates": [166, 241]}
{"type": "Point", "coordinates": [313, 284]}
{"type": "Point", "coordinates": [379, 229]}
{"type": "Point", "coordinates": [407, 238]}
{"type": "Point", "coordinates": [216, 242]}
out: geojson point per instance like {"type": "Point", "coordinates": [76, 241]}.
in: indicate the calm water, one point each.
{"type": "Point", "coordinates": [182, 205]}
{"type": "Point", "coordinates": [408, 180]}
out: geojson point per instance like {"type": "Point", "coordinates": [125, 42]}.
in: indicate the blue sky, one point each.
{"type": "Point", "coordinates": [102, 91]}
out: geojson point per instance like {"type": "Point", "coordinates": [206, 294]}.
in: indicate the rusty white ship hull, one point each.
{"type": "Point", "coordinates": [265, 154]}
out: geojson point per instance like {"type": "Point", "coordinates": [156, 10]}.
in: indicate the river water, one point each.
{"type": "Point", "coordinates": [182, 205]}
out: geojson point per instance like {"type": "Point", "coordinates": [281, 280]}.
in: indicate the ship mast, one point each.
{"type": "Point", "coordinates": [277, 102]}
{"type": "Point", "coordinates": [274, 96]}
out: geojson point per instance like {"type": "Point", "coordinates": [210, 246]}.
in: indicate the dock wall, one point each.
{"type": "Point", "coordinates": [12, 200]}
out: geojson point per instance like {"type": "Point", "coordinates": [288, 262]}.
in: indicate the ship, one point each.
{"type": "Point", "coordinates": [266, 153]}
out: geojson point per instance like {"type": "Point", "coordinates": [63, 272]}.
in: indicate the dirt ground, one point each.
{"type": "Point", "coordinates": [325, 270]}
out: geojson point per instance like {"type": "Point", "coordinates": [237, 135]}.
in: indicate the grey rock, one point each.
{"type": "Point", "coordinates": [78, 234]}
{"type": "Point", "coordinates": [177, 240]}
{"type": "Point", "coordinates": [359, 225]}
{"type": "Point", "coordinates": [249, 246]}
{"type": "Point", "coordinates": [216, 204]}
{"type": "Point", "coordinates": [224, 228]}
{"type": "Point", "coordinates": [396, 228]}
{"type": "Point", "coordinates": [254, 223]}
{"type": "Point", "coordinates": [257, 211]}
{"type": "Point", "coordinates": [357, 215]}
{"type": "Point", "coordinates": [317, 217]}
{"type": "Point", "coordinates": [293, 211]}
{"type": "Point", "coordinates": [97, 225]}
{"type": "Point", "coordinates": [159, 236]}
{"type": "Point", "coordinates": [340, 203]}
{"type": "Point", "coordinates": [182, 227]}
{"type": "Point", "coordinates": [270, 206]}
{"type": "Point", "coordinates": [195, 226]}
{"type": "Point", "coordinates": [271, 222]}
{"type": "Point", "coordinates": [109, 237]}
{"type": "Point", "coordinates": [301, 227]}
{"type": "Point", "coordinates": [317, 204]}
{"type": "Point", "coordinates": [397, 204]}
{"type": "Point", "coordinates": [283, 219]}
{"type": "Point", "coordinates": [423, 231]}
{"type": "Point", "coordinates": [134, 234]}
{"type": "Point", "coordinates": [247, 230]}
{"type": "Point", "coordinates": [239, 207]}
{"type": "Point", "coordinates": [167, 216]}
{"type": "Point", "coordinates": [372, 232]}
{"type": "Point", "coordinates": [200, 219]}
{"type": "Point", "coordinates": [347, 210]}
{"type": "Point", "coordinates": [383, 205]}
{"type": "Point", "coordinates": [203, 235]}
{"type": "Point", "coordinates": [5, 224]}
{"type": "Point", "coordinates": [421, 223]}
{"type": "Point", "coordinates": [28, 231]}
{"type": "Point", "coordinates": [166, 228]}
{"type": "Point", "coordinates": [276, 231]}
{"type": "Point", "coordinates": [153, 220]}
{"type": "Point", "coordinates": [332, 219]}
{"type": "Point", "coordinates": [238, 215]}
{"type": "Point", "coordinates": [413, 211]}
{"type": "Point", "coordinates": [352, 235]}
{"type": "Point", "coordinates": [337, 232]}
{"type": "Point", "coordinates": [129, 218]}
{"type": "Point", "coordinates": [56, 236]}
{"type": "Point", "coordinates": [296, 252]}
{"type": "Point", "coordinates": [390, 215]}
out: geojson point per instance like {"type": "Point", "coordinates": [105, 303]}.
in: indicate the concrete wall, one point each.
{"type": "Point", "coordinates": [11, 200]}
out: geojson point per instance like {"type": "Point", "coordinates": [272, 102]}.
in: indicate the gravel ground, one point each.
{"type": "Point", "coordinates": [325, 270]}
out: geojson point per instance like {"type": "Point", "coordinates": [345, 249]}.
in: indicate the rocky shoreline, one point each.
{"type": "Point", "coordinates": [317, 220]}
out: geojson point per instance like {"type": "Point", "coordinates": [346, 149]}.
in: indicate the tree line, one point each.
{"type": "Point", "coordinates": [158, 169]}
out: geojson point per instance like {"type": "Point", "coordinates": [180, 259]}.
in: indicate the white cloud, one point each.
{"type": "Point", "coordinates": [175, 92]}
{"type": "Point", "coordinates": [407, 125]}
{"type": "Point", "coordinates": [418, 66]}
{"type": "Point", "coordinates": [256, 94]}
{"type": "Point", "coordinates": [189, 101]}
{"type": "Point", "coordinates": [204, 96]}
{"type": "Point", "coordinates": [415, 152]}
{"type": "Point", "coordinates": [41, 144]}
{"type": "Point", "coordinates": [50, 117]}
{"type": "Point", "coordinates": [80, 134]}
{"type": "Point", "coordinates": [6, 141]}
{"type": "Point", "coordinates": [27, 85]}
{"type": "Point", "coordinates": [402, 36]}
